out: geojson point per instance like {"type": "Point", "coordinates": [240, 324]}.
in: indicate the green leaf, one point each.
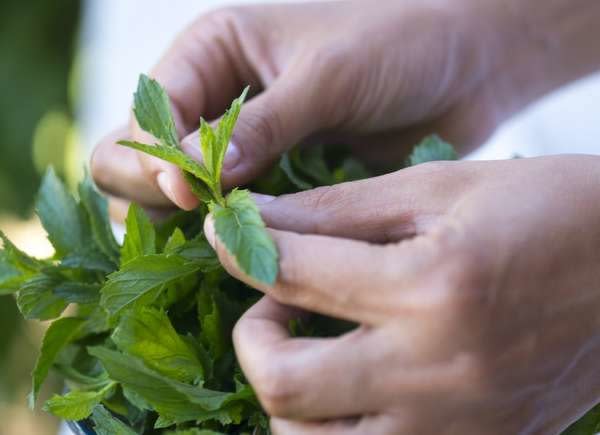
{"type": "Point", "coordinates": [286, 166]}
{"type": "Point", "coordinates": [173, 400]}
{"type": "Point", "coordinates": [15, 259]}
{"type": "Point", "coordinates": [175, 156]}
{"type": "Point", "coordinates": [152, 110]}
{"type": "Point", "coordinates": [142, 279]}
{"type": "Point", "coordinates": [140, 236]}
{"type": "Point", "coordinates": [244, 235]}
{"type": "Point", "coordinates": [77, 405]}
{"type": "Point", "coordinates": [61, 216]}
{"type": "Point", "coordinates": [148, 334]}
{"type": "Point", "coordinates": [432, 148]}
{"type": "Point", "coordinates": [176, 241]}
{"type": "Point", "coordinates": [96, 207]}
{"type": "Point", "coordinates": [58, 335]}
{"type": "Point", "coordinates": [36, 298]}
{"type": "Point", "coordinates": [78, 292]}
{"type": "Point", "coordinates": [214, 143]}
{"type": "Point", "coordinates": [106, 424]}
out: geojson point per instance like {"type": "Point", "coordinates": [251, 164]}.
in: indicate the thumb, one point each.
{"type": "Point", "coordinates": [269, 124]}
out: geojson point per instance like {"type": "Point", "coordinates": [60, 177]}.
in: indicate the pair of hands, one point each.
{"type": "Point", "coordinates": [474, 283]}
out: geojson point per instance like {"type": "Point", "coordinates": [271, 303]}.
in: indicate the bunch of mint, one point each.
{"type": "Point", "coordinates": [145, 346]}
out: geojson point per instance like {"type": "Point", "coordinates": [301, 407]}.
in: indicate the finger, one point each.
{"type": "Point", "coordinates": [351, 279]}
{"type": "Point", "coordinates": [375, 425]}
{"type": "Point", "coordinates": [269, 124]}
{"type": "Point", "coordinates": [301, 377]}
{"type": "Point", "coordinates": [380, 209]}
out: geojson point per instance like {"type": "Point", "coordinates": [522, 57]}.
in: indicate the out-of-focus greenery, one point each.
{"type": "Point", "coordinates": [37, 45]}
{"type": "Point", "coordinates": [38, 40]}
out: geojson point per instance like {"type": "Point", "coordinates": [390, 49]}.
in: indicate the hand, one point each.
{"type": "Point", "coordinates": [476, 285]}
{"type": "Point", "coordinates": [377, 77]}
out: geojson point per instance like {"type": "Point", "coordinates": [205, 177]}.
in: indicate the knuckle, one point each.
{"type": "Point", "coordinates": [224, 16]}
{"type": "Point", "coordinates": [275, 388]}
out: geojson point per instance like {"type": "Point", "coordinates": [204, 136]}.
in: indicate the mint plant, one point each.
{"type": "Point", "coordinates": [146, 345]}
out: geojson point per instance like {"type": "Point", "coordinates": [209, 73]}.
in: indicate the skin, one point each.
{"type": "Point", "coordinates": [474, 283]}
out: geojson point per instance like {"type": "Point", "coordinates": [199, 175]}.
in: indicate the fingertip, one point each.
{"type": "Point", "coordinates": [175, 188]}
{"type": "Point", "coordinates": [191, 146]}
{"type": "Point", "coordinates": [209, 230]}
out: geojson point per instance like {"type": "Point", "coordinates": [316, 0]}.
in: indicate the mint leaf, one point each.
{"type": "Point", "coordinates": [242, 231]}
{"type": "Point", "coordinates": [77, 405]}
{"type": "Point", "coordinates": [58, 335]}
{"type": "Point", "coordinates": [152, 110]}
{"type": "Point", "coordinates": [106, 424]}
{"type": "Point", "coordinates": [432, 148]}
{"type": "Point", "coordinates": [36, 298]}
{"type": "Point", "coordinates": [286, 166]}
{"type": "Point", "coordinates": [61, 216]}
{"type": "Point", "coordinates": [141, 280]}
{"type": "Point", "coordinates": [140, 236]}
{"type": "Point", "coordinates": [173, 400]}
{"type": "Point", "coordinates": [147, 333]}
{"type": "Point", "coordinates": [96, 207]}
{"type": "Point", "coordinates": [214, 143]}
{"type": "Point", "coordinates": [176, 241]}
{"type": "Point", "coordinates": [16, 267]}
{"type": "Point", "coordinates": [175, 156]}
{"type": "Point", "coordinates": [78, 292]}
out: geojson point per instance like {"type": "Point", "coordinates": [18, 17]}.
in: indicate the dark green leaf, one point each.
{"type": "Point", "coordinates": [36, 298]}
{"type": "Point", "coordinates": [58, 335]}
{"type": "Point", "coordinates": [106, 424]}
{"type": "Point", "coordinates": [78, 292]}
{"type": "Point", "coordinates": [141, 280]}
{"type": "Point", "coordinates": [140, 236]}
{"type": "Point", "coordinates": [96, 207]}
{"type": "Point", "coordinates": [152, 111]}
{"type": "Point", "coordinates": [61, 216]}
{"type": "Point", "coordinates": [243, 233]}
{"type": "Point", "coordinates": [286, 165]}
{"type": "Point", "coordinates": [432, 148]}
{"type": "Point", "coordinates": [147, 333]}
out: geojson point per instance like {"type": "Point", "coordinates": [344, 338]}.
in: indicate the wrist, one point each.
{"type": "Point", "coordinates": [532, 49]}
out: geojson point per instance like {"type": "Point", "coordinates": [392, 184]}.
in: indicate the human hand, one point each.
{"type": "Point", "coordinates": [377, 77]}
{"type": "Point", "coordinates": [476, 285]}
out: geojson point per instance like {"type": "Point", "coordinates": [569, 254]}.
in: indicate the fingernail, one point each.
{"type": "Point", "coordinates": [209, 231]}
{"type": "Point", "coordinates": [166, 186]}
{"type": "Point", "coordinates": [261, 199]}
{"type": "Point", "coordinates": [232, 156]}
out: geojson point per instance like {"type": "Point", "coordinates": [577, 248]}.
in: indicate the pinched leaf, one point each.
{"type": "Point", "coordinates": [432, 148]}
{"type": "Point", "coordinates": [152, 111]}
{"type": "Point", "coordinates": [147, 333]}
{"type": "Point", "coordinates": [96, 207]}
{"type": "Point", "coordinates": [141, 280]}
{"type": "Point", "coordinates": [140, 236]}
{"type": "Point", "coordinates": [77, 405]}
{"type": "Point", "coordinates": [36, 298]}
{"type": "Point", "coordinates": [172, 155]}
{"type": "Point", "coordinates": [243, 233]}
{"type": "Point", "coordinates": [61, 216]}
{"type": "Point", "coordinates": [58, 335]}
{"type": "Point", "coordinates": [106, 424]}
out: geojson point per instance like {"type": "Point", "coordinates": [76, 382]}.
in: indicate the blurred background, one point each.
{"type": "Point", "coordinates": [68, 69]}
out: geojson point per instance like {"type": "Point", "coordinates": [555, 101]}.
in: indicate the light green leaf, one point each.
{"type": "Point", "coordinates": [243, 233]}
{"type": "Point", "coordinates": [176, 241]}
{"type": "Point", "coordinates": [36, 298]}
{"type": "Point", "coordinates": [77, 405]}
{"type": "Point", "coordinates": [58, 335]}
{"type": "Point", "coordinates": [432, 148]}
{"type": "Point", "coordinates": [141, 280]}
{"type": "Point", "coordinates": [96, 207]}
{"type": "Point", "coordinates": [172, 155]}
{"type": "Point", "coordinates": [61, 216]}
{"type": "Point", "coordinates": [140, 236]}
{"type": "Point", "coordinates": [152, 110]}
{"type": "Point", "coordinates": [106, 424]}
{"type": "Point", "coordinates": [147, 333]}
